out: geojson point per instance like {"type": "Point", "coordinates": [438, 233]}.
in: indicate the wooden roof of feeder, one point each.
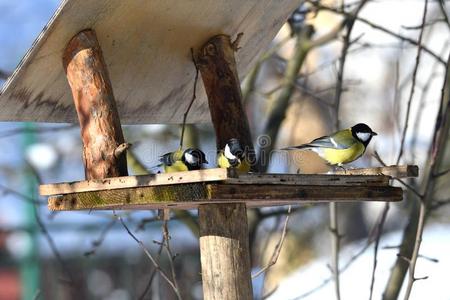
{"type": "Point", "coordinates": [146, 48]}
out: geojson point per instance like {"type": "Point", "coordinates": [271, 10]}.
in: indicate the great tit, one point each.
{"type": "Point", "coordinates": [233, 156]}
{"type": "Point", "coordinates": [183, 160]}
{"type": "Point", "coordinates": [341, 147]}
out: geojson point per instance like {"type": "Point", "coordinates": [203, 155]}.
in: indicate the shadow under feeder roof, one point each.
{"type": "Point", "coordinates": [146, 48]}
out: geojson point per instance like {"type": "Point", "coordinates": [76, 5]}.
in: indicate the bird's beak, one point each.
{"type": "Point", "coordinates": [374, 133]}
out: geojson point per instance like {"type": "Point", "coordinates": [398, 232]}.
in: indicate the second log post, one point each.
{"type": "Point", "coordinates": [101, 131]}
{"type": "Point", "coordinates": [224, 244]}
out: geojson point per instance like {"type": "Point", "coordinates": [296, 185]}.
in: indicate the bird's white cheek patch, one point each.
{"type": "Point", "coordinates": [190, 158]}
{"type": "Point", "coordinates": [228, 153]}
{"type": "Point", "coordinates": [363, 136]}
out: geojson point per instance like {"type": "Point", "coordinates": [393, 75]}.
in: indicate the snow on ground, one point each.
{"type": "Point", "coordinates": [355, 281]}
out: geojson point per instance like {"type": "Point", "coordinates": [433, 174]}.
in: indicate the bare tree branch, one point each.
{"type": "Point", "coordinates": [151, 258]}
{"type": "Point", "coordinates": [437, 154]}
{"type": "Point", "coordinates": [194, 96]}
{"type": "Point", "coordinates": [98, 242]}
{"type": "Point", "coordinates": [444, 12]}
{"type": "Point", "coordinates": [378, 234]}
{"type": "Point", "coordinates": [413, 84]}
{"type": "Point", "coordinates": [348, 22]}
{"type": "Point", "coordinates": [277, 250]}
{"type": "Point", "coordinates": [380, 28]}
{"type": "Point", "coordinates": [152, 275]}
{"type": "Point", "coordinates": [170, 255]}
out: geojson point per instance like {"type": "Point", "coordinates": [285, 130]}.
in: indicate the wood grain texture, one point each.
{"type": "Point", "coordinates": [206, 175]}
{"type": "Point", "coordinates": [189, 196]}
{"type": "Point", "coordinates": [406, 171]}
{"type": "Point", "coordinates": [93, 96]}
{"type": "Point", "coordinates": [294, 193]}
{"type": "Point", "coordinates": [224, 247]}
{"type": "Point", "coordinates": [147, 56]}
{"type": "Point", "coordinates": [224, 251]}
{"type": "Point", "coordinates": [209, 175]}
{"type": "Point", "coordinates": [219, 74]}
{"type": "Point", "coordinates": [310, 179]}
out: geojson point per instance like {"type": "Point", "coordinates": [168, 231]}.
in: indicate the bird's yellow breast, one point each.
{"type": "Point", "coordinates": [343, 156]}
{"type": "Point", "coordinates": [223, 162]}
{"type": "Point", "coordinates": [177, 166]}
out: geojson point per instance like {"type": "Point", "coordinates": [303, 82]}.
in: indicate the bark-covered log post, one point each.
{"type": "Point", "coordinates": [224, 248]}
{"type": "Point", "coordinates": [101, 131]}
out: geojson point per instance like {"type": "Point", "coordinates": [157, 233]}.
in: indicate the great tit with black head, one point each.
{"type": "Point", "coordinates": [341, 147]}
{"type": "Point", "coordinates": [233, 156]}
{"type": "Point", "coordinates": [183, 160]}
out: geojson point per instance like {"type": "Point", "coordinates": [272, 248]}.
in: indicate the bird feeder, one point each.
{"type": "Point", "coordinates": [107, 63]}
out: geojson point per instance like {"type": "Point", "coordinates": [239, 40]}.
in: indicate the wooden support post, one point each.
{"type": "Point", "coordinates": [103, 142]}
{"type": "Point", "coordinates": [224, 248]}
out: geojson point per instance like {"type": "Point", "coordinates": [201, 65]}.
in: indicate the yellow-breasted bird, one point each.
{"type": "Point", "coordinates": [183, 160]}
{"type": "Point", "coordinates": [341, 147]}
{"type": "Point", "coordinates": [233, 156]}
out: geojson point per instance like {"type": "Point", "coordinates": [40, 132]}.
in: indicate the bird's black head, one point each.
{"type": "Point", "coordinates": [363, 133]}
{"type": "Point", "coordinates": [194, 158]}
{"type": "Point", "coordinates": [233, 149]}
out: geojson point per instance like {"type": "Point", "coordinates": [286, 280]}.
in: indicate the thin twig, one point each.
{"type": "Point", "coordinates": [170, 256]}
{"type": "Point", "coordinates": [277, 250]}
{"type": "Point", "coordinates": [53, 247]}
{"type": "Point", "coordinates": [333, 207]}
{"type": "Point", "coordinates": [437, 153]}
{"type": "Point", "coordinates": [408, 186]}
{"type": "Point", "coordinates": [413, 83]}
{"type": "Point", "coordinates": [150, 256]}
{"type": "Point", "coordinates": [444, 13]}
{"type": "Point", "coordinates": [98, 242]}
{"type": "Point", "coordinates": [145, 221]}
{"type": "Point", "coordinates": [442, 173]}
{"type": "Point", "coordinates": [194, 96]}
{"type": "Point", "coordinates": [352, 259]}
{"type": "Point", "coordinates": [379, 232]}
{"type": "Point", "coordinates": [152, 275]}
{"type": "Point", "coordinates": [21, 196]}
{"type": "Point", "coordinates": [45, 232]}
{"type": "Point", "coordinates": [380, 28]}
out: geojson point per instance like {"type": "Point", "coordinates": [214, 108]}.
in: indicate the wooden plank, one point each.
{"type": "Point", "coordinates": [309, 179]}
{"type": "Point", "coordinates": [148, 55]}
{"type": "Point", "coordinates": [206, 175]}
{"type": "Point", "coordinates": [251, 193]}
{"type": "Point", "coordinates": [405, 171]}
{"type": "Point", "coordinates": [189, 196]}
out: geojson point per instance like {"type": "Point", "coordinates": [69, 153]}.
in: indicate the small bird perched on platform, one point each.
{"type": "Point", "coordinates": [183, 160]}
{"type": "Point", "coordinates": [233, 156]}
{"type": "Point", "coordinates": [341, 147]}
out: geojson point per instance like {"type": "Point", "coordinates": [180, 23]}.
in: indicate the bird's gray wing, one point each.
{"type": "Point", "coordinates": [166, 159]}
{"type": "Point", "coordinates": [322, 142]}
